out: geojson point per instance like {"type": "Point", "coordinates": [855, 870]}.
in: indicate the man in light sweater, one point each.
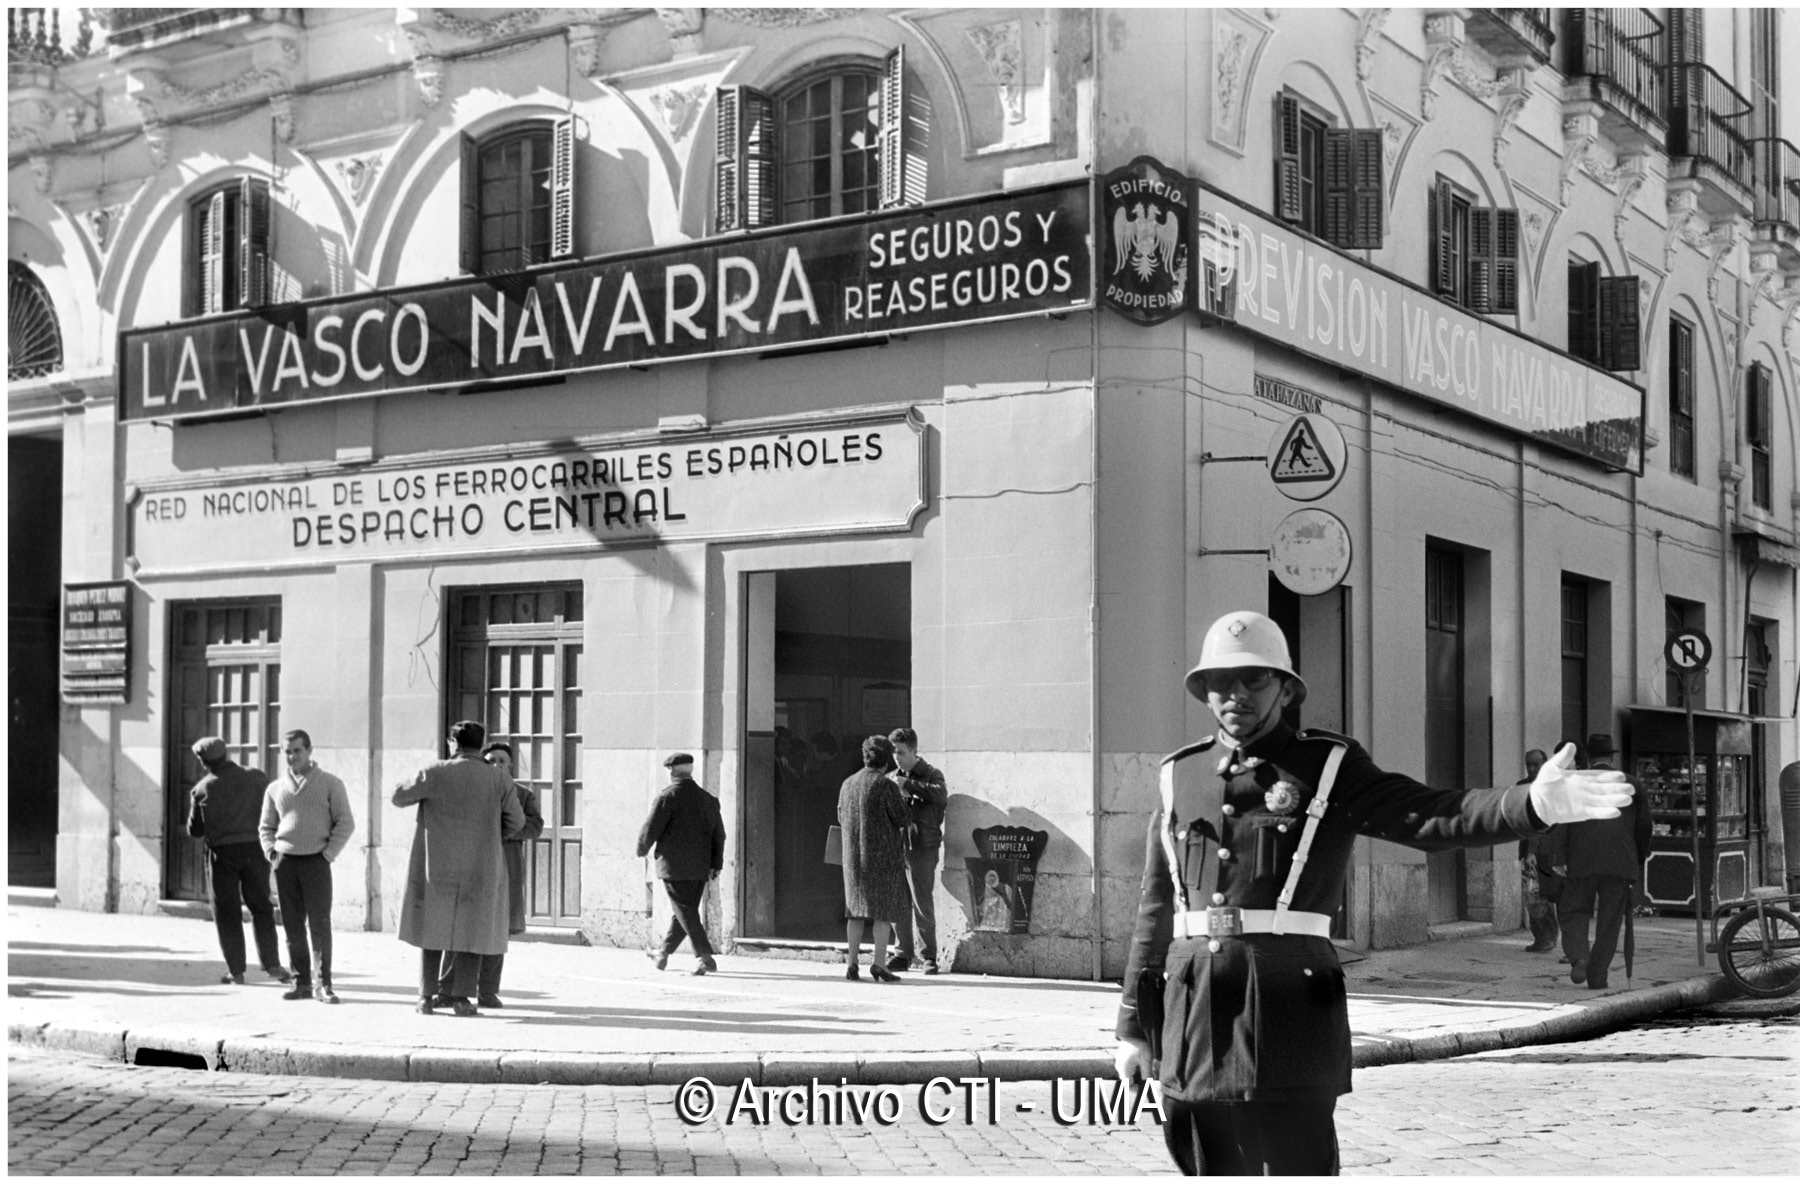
{"type": "Point", "coordinates": [307, 821]}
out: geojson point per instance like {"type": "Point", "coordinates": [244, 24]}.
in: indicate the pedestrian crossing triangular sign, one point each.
{"type": "Point", "coordinates": [1301, 457]}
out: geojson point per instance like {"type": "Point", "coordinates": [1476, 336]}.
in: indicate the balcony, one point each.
{"type": "Point", "coordinates": [186, 30]}
{"type": "Point", "coordinates": [1512, 34]}
{"type": "Point", "coordinates": [1777, 190]}
{"type": "Point", "coordinates": [1612, 53]}
{"type": "Point", "coordinates": [1708, 139]}
{"type": "Point", "coordinates": [34, 36]}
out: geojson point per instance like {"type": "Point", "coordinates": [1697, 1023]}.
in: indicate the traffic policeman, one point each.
{"type": "Point", "coordinates": [1233, 995]}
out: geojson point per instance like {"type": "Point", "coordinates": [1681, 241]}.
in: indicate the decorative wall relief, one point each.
{"type": "Point", "coordinates": [783, 18]}
{"type": "Point", "coordinates": [683, 29]}
{"type": "Point", "coordinates": [1237, 43]}
{"type": "Point", "coordinates": [1368, 32]}
{"type": "Point", "coordinates": [677, 106]}
{"type": "Point", "coordinates": [469, 29]}
{"type": "Point", "coordinates": [359, 174]}
{"type": "Point", "coordinates": [1000, 46]}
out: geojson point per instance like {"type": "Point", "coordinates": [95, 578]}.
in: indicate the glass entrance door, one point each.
{"type": "Point", "coordinates": [516, 664]}
{"type": "Point", "coordinates": [225, 681]}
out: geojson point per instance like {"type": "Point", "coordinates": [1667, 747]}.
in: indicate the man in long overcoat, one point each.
{"type": "Point", "coordinates": [455, 906]}
{"type": "Point", "coordinates": [1232, 982]}
{"type": "Point", "coordinates": [1604, 864]}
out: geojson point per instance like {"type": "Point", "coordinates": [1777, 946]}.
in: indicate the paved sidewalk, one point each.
{"type": "Point", "coordinates": [117, 985]}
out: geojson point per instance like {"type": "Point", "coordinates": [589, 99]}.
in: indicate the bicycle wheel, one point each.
{"type": "Point", "coordinates": [1743, 957]}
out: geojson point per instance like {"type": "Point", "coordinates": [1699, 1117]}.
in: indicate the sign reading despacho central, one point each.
{"type": "Point", "coordinates": [863, 473]}
{"type": "Point", "coordinates": [934, 266]}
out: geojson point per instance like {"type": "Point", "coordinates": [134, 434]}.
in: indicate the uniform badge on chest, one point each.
{"type": "Point", "coordinates": [1283, 798]}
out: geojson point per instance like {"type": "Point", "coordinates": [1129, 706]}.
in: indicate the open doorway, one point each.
{"type": "Point", "coordinates": [827, 664]}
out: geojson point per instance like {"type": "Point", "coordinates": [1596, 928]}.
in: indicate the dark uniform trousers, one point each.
{"type": "Point", "coordinates": [241, 876]}
{"type": "Point", "coordinates": [687, 918]}
{"type": "Point", "coordinates": [451, 973]}
{"type": "Point", "coordinates": [1293, 1139]}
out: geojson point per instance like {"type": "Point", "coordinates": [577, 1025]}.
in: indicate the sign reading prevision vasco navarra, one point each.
{"type": "Point", "coordinates": [1263, 277]}
{"type": "Point", "coordinates": [863, 473]}
{"type": "Point", "coordinates": [956, 263]}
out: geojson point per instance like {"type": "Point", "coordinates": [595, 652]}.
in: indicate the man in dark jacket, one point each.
{"type": "Point", "coordinates": [1538, 876]}
{"type": "Point", "coordinates": [1604, 861]}
{"type": "Point", "coordinates": [684, 832]}
{"type": "Point", "coordinates": [223, 809]}
{"type": "Point", "coordinates": [1232, 981]}
{"type": "Point", "coordinates": [925, 793]}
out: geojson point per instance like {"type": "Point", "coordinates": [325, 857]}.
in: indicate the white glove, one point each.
{"type": "Point", "coordinates": [1562, 793]}
{"type": "Point", "coordinates": [1134, 1062]}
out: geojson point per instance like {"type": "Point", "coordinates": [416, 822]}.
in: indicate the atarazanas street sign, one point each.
{"type": "Point", "coordinates": [1018, 254]}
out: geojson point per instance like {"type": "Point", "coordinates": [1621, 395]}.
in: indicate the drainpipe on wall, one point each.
{"type": "Point", "coordinates": [1092, 625]}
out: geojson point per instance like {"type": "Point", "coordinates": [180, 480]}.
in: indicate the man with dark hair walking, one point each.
{"type": "Point", "coordinates": [685, 834]}
{"type": "Point", "coordinates": [224, 808]}
{"type": "Point", "coordinates": [1603, 862]}
{"type": "Point", "coordinates": [455, 904]}
{"type": "Point", "coordinates": [307, 822]}
{"type": "Point", "coordinates": [925, 793]}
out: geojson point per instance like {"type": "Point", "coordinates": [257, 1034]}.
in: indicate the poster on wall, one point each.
{"type": "Point", "coordinates": [1001, 880]}
{"type": "Point", "coordinates": [97, 642]}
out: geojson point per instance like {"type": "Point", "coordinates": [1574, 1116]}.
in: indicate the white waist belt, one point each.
{"type": "Point", "coordinates": [1229, 921]}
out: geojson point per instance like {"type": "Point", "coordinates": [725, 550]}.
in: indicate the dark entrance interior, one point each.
{"type": "Point", "coordinates": [34, 487]}
{"type": "Point", "coordinates": [828, 664]}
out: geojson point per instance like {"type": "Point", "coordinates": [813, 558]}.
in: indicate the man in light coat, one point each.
{"type": "Point", "coordinates": [455, 906]}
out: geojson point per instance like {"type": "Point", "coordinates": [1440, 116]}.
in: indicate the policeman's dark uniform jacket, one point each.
{"type": "Point", "coordinates": [1253, 1007]}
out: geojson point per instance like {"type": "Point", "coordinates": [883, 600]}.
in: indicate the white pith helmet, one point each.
{"type": "Point", "coordinates": [1244, 639]}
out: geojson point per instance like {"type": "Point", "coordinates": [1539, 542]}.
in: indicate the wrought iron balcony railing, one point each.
{"type": "Point", "coordinates": [1617, 49]}
{"type": "Point", "coordinates": [1777, 183]}
{"type": "Point", "coordinates": [1534, 26]}
{"type": "Point", "coordinates": [35, 36]}
{"type": "Point", "coordinates": [1513, 32]}
{"type": "Point", "coordinates": [1709, 120]}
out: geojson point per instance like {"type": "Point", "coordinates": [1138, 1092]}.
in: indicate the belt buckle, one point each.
{"type": "Point", "coordinates": [1223, 921]}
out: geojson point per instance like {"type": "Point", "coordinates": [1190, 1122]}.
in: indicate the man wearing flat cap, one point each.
{"type": "Point", "coordinates": [1233, 994]}
{"type": "Point", "coordinates": [1604, 863]}
{"type": "Point", "coordinates": [684, 832]}
{"type": "Point", "coordinates": [223, 809]}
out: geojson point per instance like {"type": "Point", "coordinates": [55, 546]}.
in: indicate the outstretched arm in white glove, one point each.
{"type": "Point", "coordinates": [1562, 793]}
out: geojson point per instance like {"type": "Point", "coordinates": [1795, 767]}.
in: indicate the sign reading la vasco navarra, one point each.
{"type": "Point", "coordinates": [861, 473]}
{"type": "Point", "coordinates": [933, 266]}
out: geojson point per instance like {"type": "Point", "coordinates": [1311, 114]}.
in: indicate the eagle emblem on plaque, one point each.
{"type": "Point", "coordinates": [1147, 214]}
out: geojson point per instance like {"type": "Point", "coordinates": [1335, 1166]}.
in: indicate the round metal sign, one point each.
{"type": "Point", "coordinates": [1306, 457]}
{"type": "Point", "coordinates": [1310, 552]}
{"type": "Point", "coordinates": [1688, 650]}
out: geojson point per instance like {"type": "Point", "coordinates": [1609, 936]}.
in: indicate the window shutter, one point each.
{"type": "Point", "coordinates": [1288, 186]}
{"type": "Point", "coordinates": [213, 254]}
{"type": "Point", "coordinates": [470, 209]}
{"type": "Point", "coordinates": [745, 174]}
{"type": "Point", "coordinates": [1481, 259]}
{"type": "Point", "coordinates": [1619, 321]}
{"type": "Point", "coordinates": [891, 130]}
{"type": "Point", "coordinates": [564, 178]}
{"type": "Point", "coordinates": [1443, 234]}
{"type": "Point", "coordinates": [1585, 311]}
{"type": "Point", "coordinates": [1506, 261]}
{"type": "Point", "coordinates": [254, 242]}
{"type": "Point", "coordinates": [1757, 411]}
{"type": "Point", "coordinates": [1367, 192]}
{"type": "Point", "coordinates": [1337, 181]}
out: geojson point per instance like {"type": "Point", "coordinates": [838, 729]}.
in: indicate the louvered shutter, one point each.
{"type": "Point", "coordinates": [564, 185]}
{"type": "Point", "coordinates": [1585, 311]}
{"type": "Point", "coordinates": [1481, 260]}
{"type": "Point", "coordinates": [213, 254]}
{"type": "Point", "coordinates": [745, 172]}
{"type": "Point", "coordinates": [1368, 203]}
{"type": "Point", "coordinates": [1337, 182]}
{"type": "Point", "coordinates": [891, 130]}
{"type": "Point", "coordinates": [1506, 261]}
{"type": "Point", "coordinates": [254, 242]}
{"type": "Point", "coordinates": [1757, 411]}
{"type": "Point", "coordinates": [470, 208]}
{"type": "Point", "coordinates": [1288, 186]}
{"type": "Point", "coordinates": [1620, 323]}
{"type": "Point", "coordinates": [1443, 239]}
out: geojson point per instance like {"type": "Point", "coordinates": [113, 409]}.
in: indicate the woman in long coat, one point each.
{"type": "Point", "coordinates": [872, 815]}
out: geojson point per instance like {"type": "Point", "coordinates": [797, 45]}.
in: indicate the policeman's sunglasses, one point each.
{"type": "Point", "coordinates": [1252, 679]}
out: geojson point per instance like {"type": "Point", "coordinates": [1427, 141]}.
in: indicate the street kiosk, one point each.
{"type": "Point", "coordinates": [1718, 804]}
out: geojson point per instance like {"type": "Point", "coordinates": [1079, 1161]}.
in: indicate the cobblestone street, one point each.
{"type": "Point", "coordinates": [1729, 1103]}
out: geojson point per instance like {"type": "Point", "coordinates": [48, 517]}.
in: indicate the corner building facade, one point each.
{"type": "Point", "coordinates": [741, 381]}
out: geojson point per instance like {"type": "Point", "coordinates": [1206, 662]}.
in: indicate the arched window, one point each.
{"type": "Point", "coordinates": [517, 197]}
{"type": "Point", "coordinates": [34, 341]}
{"type": "Point", "coordinates": [228, 249]}
{"type": "Point", "coordinates": [833, 142]}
